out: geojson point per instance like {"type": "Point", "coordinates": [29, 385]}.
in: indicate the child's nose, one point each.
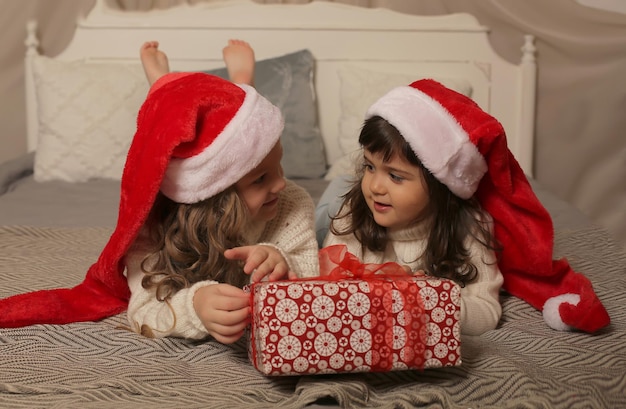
{"type": "Point", "coordinates": [279, 184]}
{"type": "Point", "coordinates": [377, 184]}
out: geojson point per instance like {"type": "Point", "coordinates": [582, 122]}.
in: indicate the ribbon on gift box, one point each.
{"type": "Point", "coordinates": [337, 262]}
{"type": "Point", "coordinates": [393, 292]}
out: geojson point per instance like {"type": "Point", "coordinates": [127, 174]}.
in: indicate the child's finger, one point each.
{"type": "Point", "coordinates": [231, 304]}
{"type": "Point", "coordinates": [260, 272]}
{"type": "Point", "coordinates": [228, 290]}
{"type": "Point", "coordinates": [226, 339]}
{"type": "Point", "coordinates": [279, 271]}
{"type": "Point", "coordinates": [259, 261]}
{"type": "Point", "coordinates": [231, 318]}
{"type": "Point", "coordinates": [252, 258]}
{"type": "Point", "coordinates": [237, 253]}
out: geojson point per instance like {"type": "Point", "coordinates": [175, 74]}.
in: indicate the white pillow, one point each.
{"type": "Point", "coordinates": [87, 116]}
{"type": "Point", "coordinates": [360, 88]}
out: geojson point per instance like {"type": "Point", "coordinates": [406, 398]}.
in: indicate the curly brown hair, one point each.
{"type": "Point", "coordinates": [453, 218]}
{"type": "Point", "coordinates": [187, 243]}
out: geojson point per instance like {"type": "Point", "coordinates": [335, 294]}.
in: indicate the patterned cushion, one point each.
{"type": "Point", "coordinates": [87, 115]}
{"type": "Point", "coordinates": [87, 118]}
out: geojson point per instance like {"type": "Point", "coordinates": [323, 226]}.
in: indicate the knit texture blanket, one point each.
{"type": "Point", "coordinates": [521, 364]}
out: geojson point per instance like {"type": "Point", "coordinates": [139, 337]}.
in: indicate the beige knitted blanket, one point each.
{"type": "Point", "coordinates": [522, 364]}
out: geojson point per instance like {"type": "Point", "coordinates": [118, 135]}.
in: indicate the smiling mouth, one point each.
{"type": "Point", "coordinates": [271, 202]}
{"type": "Point", "coordinates": [381, 207]}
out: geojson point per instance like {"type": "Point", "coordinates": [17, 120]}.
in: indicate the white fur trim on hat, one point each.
{"type": "Point", "coordinates": [436, 137]}
{"type": "Point", "coordinates": [243, 143]}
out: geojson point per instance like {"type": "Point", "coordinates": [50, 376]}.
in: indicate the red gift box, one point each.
{"type": "Point", "coordinates": [354, 320]}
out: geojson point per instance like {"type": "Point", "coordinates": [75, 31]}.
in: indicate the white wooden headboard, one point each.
{"type": "Point", "coordinates": [336, 34]}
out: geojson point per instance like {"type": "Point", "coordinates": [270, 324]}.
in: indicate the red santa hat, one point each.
{"type": "Point", "coordinates": [197, 134]}
{"type": "Point", "coordinates": [465, 149]}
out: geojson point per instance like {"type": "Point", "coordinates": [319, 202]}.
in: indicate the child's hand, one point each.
{"type": "Point", "coordinates": [223, 310]}
{"type": "Point", "coordinates": [417, 273]}
{"type": "Point", "coordinates": [261, 261]}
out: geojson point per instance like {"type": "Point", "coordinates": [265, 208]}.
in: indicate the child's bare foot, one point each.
{"type": "Point", "coordinates": [154, 61]}
{"type": "Point", "coordinates": [239, 59]}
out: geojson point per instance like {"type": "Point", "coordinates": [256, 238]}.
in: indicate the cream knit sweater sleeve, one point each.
{"type": "Point", "coordinates": [176, 318]}
{"type": "Point", "coordinates": [480, 304]}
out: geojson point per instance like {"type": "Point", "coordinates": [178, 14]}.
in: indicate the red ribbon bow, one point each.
{"type": "Point", "coordinates": [337, 263]}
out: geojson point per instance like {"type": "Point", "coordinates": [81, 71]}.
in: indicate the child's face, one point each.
{"type": "Point", "coordinates": [259, 189]}
{"type": "Point", "coordinates": [395, 191]}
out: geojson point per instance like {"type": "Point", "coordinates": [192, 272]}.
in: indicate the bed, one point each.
{"type": "Point", "coordinates": [322, 64]}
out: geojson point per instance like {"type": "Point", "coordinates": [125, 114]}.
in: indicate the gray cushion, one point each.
{"type": "Point", "coordinates": [287, 81]}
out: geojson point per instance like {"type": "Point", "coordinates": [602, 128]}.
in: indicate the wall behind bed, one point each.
{"type": "Point", "coordinates": [581, 127]}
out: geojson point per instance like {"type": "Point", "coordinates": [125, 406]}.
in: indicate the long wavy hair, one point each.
{"type": "Point", "coordinates": [453, 218]}
{"type": "Point", "coordinates": [187, 243]}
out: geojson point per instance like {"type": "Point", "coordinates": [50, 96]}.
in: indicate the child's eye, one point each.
{"type": "Point", "coordinates": [259, 180]}
{"type": "Point", "coordinates": [395, 177]}
{"type": "Point", "coordinates": [368, 167]}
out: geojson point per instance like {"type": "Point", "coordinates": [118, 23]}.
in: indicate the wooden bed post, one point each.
{"type": "Point", "coordinates": [528, 91]}
{"type": "Point", "coordinates": [32, 43]}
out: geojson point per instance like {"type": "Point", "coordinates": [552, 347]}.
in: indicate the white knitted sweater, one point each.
{"type": "Point", "coordinates": [291, 232]}
{"type": "Point", "coordinates": [480, 305]}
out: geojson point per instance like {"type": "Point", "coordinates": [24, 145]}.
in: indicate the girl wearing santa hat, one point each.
{"type": "Point", "coordinates": [204, 209]}
{"type": "Point", "coordinates": [183, 271]}
{"type": "Point", "coordinates": [438, 191]}
{"type": "Point", "coordinates": [396, 210]}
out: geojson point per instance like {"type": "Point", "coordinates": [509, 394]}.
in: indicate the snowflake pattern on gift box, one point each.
{"type": "Point", "coordinates": [319, 327]}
